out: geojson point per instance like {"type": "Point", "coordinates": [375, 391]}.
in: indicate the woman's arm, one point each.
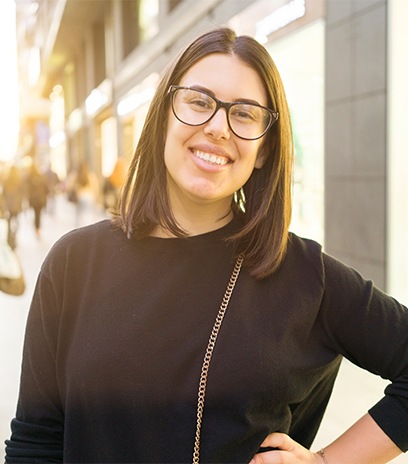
{"type": "Point", "coordinates": [37, 429]}
{"type": "Point", "coordinates": [370, 329]}
{"type": "Point", "coordinates": [362, 443]}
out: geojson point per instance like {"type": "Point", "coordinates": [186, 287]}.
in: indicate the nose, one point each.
{"type": "Point", "coordinates": [218, 126]}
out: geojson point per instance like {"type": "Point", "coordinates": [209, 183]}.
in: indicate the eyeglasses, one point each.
{"type": "Point", "coordinates": [248, 121]}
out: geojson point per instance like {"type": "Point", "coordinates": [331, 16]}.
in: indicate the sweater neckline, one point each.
{"type": "Point", "coordinates": [191, 243]}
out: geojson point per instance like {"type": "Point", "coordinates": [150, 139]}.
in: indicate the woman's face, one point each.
{"type": "Point", "coordinates": [206, 164]}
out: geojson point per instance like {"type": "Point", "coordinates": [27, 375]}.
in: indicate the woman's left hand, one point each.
{"type": "Point", "coordinates": [288, 452]}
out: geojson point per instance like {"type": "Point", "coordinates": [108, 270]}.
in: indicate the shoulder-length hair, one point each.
{"type": "Point", "coordinates": [264, 202]}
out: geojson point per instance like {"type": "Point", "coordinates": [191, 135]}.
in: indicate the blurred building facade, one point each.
{"type": "Point", "coordinates": [88, 70]}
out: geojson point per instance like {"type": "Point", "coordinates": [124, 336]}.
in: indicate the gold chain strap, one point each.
{"type": "Point", "coordinates": [208, 355]}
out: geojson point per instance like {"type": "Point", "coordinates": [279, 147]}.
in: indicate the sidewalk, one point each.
{"type": "Point", "coordinates": [355, 390]}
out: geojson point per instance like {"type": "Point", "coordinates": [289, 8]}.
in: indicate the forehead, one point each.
{"type": "Point", "coordinates": [228, 77]}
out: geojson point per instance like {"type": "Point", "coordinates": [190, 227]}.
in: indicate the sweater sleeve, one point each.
{"type": "Point", "coordinates": [37, 429]}
{"type": "Point", "coordinates": [370, 329]}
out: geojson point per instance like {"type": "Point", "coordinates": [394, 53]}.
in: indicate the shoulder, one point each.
{"type": "Point", "coordinates": [303, 246]}
{"type": "Point", "coordinates": [336, 277]}
{"type": "Point", "coordinates": [81, 246]}
{"type": "Point", "coordinates": [302, 269]}
{"type": "Point", "coordinates": [309, 254]}
{"type": "Point", "coordinates": [86, 233]}
{"type": "Point", "coordinates": [304, 254]}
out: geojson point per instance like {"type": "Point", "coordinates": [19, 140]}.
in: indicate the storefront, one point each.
{"type": "Point", "coordinates": [131, 110]}
{"type": "Point", "coordinates": [397, 158]}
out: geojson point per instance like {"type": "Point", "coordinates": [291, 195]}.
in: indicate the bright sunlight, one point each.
{"type": "Point", "coordinates": [8, 82]}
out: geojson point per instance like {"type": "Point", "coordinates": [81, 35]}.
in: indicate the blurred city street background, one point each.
{"type": "Point", "coordinates": [354, 393]}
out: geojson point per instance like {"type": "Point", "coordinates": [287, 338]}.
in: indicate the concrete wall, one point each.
{"type": "Point", "coordinates": [355, 135]}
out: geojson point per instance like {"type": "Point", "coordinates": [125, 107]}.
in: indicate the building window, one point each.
{"type": "Point", "coordinates": [140, 22]}
{"type": "Point", "coordinates": [100, 54]}
{"type": "Point", "coordinates": [148, 18]}
{"type": "Point", "coordinates": [173, 4]}
{"type": "Point", "coordinates": [130, 29]}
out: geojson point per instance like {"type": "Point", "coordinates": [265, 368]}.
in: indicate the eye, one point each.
{"type": "Point", "coordinates": [245, 113]}
{"type": "Point", "coordinates": [197, 100]}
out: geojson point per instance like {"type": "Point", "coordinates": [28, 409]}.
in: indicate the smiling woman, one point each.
{"type": "Point", "coordinates": [8, 82]}
{"type": "Point", "coordinates": [128, 356]}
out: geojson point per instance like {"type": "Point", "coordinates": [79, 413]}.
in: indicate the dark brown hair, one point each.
{"type": "Point", "coordinates": [266, 196]}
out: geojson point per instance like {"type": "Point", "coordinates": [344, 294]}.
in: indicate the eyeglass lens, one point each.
{"type": "Point", "coordinates": [195, 108]}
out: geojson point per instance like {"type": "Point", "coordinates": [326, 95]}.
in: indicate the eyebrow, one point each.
{"type": "Point", "coordinates": [210, 92]}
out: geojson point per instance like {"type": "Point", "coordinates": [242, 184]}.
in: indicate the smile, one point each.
{"type": "Point", "coordinates": [211, 158]}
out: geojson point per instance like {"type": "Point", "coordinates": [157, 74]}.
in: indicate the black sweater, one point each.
{"type": "Point", "coordinates": [117, 332]}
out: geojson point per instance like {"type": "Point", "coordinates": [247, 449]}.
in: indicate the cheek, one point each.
{"type": "Point", "coordinates": [178, 137]}
{"type": "Point", "coordinates": [175, 146]}
{"type": "Point", "coordinates": [252, 154]}
{"type": "Point", "coordinates": [176, 131]}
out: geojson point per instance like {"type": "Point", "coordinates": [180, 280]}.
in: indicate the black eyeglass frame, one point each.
{"type": "Point", "coordinates": [221, 104]}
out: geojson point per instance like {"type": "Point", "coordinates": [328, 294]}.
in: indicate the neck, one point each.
{"type": "Point", "coordinates": [198, 220]}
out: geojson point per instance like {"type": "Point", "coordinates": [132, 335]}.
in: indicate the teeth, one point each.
{"type": "Point", "coordinates": [211, 158]}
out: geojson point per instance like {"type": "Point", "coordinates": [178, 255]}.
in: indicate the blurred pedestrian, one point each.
{"type": "Point", "coordinates": [114, 183]}
{"type": "Point", "coordinates": [37, 192]}
{"type": "Point", "coordinates": [13, 191]}
{"type": "Point", "coordinates": [12, 279]}
{"type": "Point", "coordinates": [53, 183]}
{"type": "Point", "coordinates": [83, 190]}
{"type": "Point", "coordinates": [3, 205]}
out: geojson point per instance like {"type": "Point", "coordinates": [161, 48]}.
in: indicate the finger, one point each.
{"type": "Point", "coordinates": [279, 440]}
{"type": "Point", "coordinates": [270, 457]}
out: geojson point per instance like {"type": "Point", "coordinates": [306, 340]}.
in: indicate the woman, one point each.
{"type": "Point", "coordinates": [13, 191]}
{"type": "Point", "coordinates": [83, 190]}
{"type": "Point", "coordinates": [195, 327]}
